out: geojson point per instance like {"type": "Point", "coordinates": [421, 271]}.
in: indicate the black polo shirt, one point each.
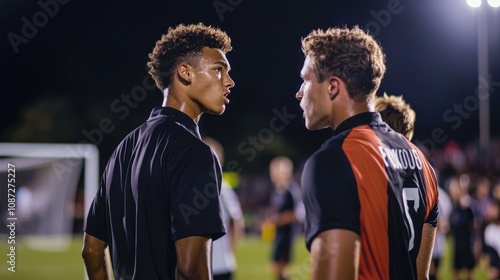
{"type": "Point", "coordinates": [161, 184]}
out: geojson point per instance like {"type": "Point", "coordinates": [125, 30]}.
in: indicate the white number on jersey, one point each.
{"type": "Point", "coordinates": [411, 194]}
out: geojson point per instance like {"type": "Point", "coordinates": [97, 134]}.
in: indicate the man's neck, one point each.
{"type": "Point", "coordinates": [178, 101]}
{"type": "Point", "coordinates": [350, 109]}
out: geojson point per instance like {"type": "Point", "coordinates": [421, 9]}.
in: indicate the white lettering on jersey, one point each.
{"type": "Point", "coordinates": [400, 158]}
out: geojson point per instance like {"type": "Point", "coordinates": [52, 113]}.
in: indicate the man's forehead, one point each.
{"type": "Point", "coordinates": [213, 55]}
{"type": "Point", "coordinates": [307, 67]}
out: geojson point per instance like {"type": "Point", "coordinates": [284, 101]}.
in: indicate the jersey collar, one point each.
{"type": "Point", "coordinates": [179, 117]}
{"type": "Point", "coordinates": [372, 118]}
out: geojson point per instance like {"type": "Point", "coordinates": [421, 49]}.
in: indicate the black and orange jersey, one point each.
{"type": "Point", "coordinates": [371, 180]}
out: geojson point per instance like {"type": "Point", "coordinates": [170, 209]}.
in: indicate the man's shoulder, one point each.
{"type": "Point", "coordinates": [329, 160]}
{"type": "Point", "coordinates": [164, 132]}
{"type": "Point", "coordinates": [330, 150]}
{"type": "Point", "coordinates": [168, 129]}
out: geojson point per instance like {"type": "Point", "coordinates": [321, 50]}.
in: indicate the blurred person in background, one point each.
{"type": "Point", "coordinates": [483, 198]}
{"type": "Point", "coordinates": [223, 249]}
{"type": "Point", "coordinates": [157, 207]}
{"type": "Point", "coordinates": [284, 201]}
{"type": "Point", "coordinates": [482, 201]}
{"type": "Point", "coordinates": [492, 239]}
{"type": "Point", "coordinates": [401, 117]}
{"type": "Point", "coordinates": [496, 191]}
{"type": "Point", "coordinates": [462, 227]}
{"type": "Point", "coordinates": [443, 229]}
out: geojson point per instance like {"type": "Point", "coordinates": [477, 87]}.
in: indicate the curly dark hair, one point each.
{"type": "Point", "coordinates": [396, 113]}
{"type": "Point", "coordinates": [350, 54]}
{"type": "Point", "coordinates": [183, 44]}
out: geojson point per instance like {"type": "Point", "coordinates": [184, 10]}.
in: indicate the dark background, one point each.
{"type": "Point", "coordinates": [68, 79]}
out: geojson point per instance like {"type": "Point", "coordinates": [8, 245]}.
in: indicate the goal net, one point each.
{"type": "Point", "coordinates": [47, 178]}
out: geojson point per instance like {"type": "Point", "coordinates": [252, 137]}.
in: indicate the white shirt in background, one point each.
{"type": "Point", "coordinates": [223, 255]}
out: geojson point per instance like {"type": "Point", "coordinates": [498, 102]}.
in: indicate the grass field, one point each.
{"type": "Point", "coordinates": [252, 255]}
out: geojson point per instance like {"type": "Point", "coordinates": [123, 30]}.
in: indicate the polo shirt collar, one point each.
{"type": "Point", "coordinates": [179, 117]}
{"type": "Point", "coordinates": [357, 120]}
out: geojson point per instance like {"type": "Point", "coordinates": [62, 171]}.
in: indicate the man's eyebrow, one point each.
{"type": "Point", "coordinates": [223, 63]}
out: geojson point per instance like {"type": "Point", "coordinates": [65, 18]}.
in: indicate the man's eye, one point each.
{"type": "Point", "coordinates": [219, 69]}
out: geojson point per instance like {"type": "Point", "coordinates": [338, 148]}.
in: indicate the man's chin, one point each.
{"type": "Point", "coordinates": [315, 126]}
{"type": "Point", "coordinates": [219, 111]}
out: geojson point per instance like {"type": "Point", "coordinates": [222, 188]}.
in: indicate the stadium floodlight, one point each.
{"type": "Point", "coordinates": [494, 3]}
{"type": "Point", "coordinates": [474, 3]}
{"type": "Point", "coordinates": [483, 72]}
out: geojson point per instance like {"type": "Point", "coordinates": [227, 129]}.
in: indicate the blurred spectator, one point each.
{"type": "Point", "coordinates": [224, 261]}
{"type": "Point", "coordinates": [492, 240]}
{"type": "Point", "coordinates": [285, 198]}
{"type": "Point", "coordinates": [462, 225]}
{"type": "Point", "coordinates": [482, 196]}
{"type": "Point", "coordinates": [482, 201]}
{"type": "Point", "coordinates": [445, 208]}
{"type": "Point", "coordinates": [496, 191]}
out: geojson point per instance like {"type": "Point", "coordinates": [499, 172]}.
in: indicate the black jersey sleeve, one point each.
{"type": "Point", "coordinates": [433, 216]}
{"type": "Point", "coordinates": [330, 194]}
{"type": "Point", "coordinates": [95, 223]}
{"type": "Point", "coordinates": [194, 193]}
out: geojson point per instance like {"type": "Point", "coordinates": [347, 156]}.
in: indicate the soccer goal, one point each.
{"type": "Point", "coordinates": [42, 183]}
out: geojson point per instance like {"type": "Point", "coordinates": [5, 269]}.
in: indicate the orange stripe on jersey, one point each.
{"type": "Point", "coordinates": [430, 183]}
{"type": "Point", "coordinates": [361, 149]}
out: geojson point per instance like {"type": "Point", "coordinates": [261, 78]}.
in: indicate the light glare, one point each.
{"type": "Point", "coordinates": [475, 3]}
{"type": "Point", "coordinates": [494, 3]}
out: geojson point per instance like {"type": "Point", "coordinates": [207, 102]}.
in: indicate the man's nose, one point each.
{"type": "Point", "coordinates": [299, 93]}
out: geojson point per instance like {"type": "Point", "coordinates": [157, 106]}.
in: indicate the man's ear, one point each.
{"type": "Point", "coordinates": [185, 73]}
{"type": "Point", "coordinates": [334, 84]}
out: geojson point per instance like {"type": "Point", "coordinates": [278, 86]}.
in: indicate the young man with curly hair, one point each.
{"type": "Point", "coordinates": [157, 207]}
{"type": "Point", "coordinates": [370, 195]}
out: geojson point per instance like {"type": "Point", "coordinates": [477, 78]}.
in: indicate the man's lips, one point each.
{"type": "Point", "coordinates": [226, 100]}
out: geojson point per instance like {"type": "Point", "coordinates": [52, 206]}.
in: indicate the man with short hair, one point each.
{"type": "Point", "coordinates": [157, 207]}
{"type": "Point", "coordinates": [370, 195]}
{"type": "Point", "coordinates": [396, 113]}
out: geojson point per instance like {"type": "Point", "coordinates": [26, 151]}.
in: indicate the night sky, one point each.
{"type": "Point", "coordinates": [80, 74]}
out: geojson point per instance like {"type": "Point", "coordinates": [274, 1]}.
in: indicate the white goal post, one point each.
{"type": "Point", "coordinates": [68, 153]}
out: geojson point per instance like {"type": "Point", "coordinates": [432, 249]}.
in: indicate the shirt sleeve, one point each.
{"type": "Point", "coordinates": [433, 197]}
{"type": "Point", "coordinates": [194, 193]}
{"type": "Point", "coordinates": [231, 202]}
{"type": "Point", "coordinates": [95, 223]}
{"type": "Point", "coordinates": [330, 194]}
{"type": "Point", "coordinates": [433, 216]}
